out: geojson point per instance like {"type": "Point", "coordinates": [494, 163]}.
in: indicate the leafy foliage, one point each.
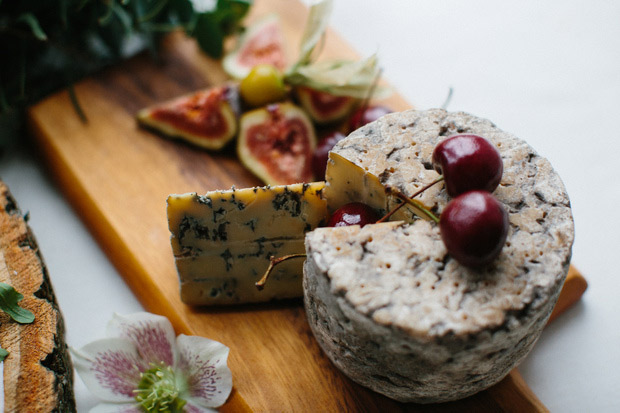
{"type": "Point", "coordinates": [9, 299]}
{"type": "Point", "coordinates": [337, 77]}
{"type": "Point", "coordinates": [46, 45]}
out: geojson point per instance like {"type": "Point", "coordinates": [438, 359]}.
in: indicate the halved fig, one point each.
{"type": "Point", "coordinates": [324, 107]}
{"type": "Point", "coordinates": [276, 143]}
{"type": "Point", "coordinates": [207, 118]}
{"type": "Point", "coordinates": [263, 42]}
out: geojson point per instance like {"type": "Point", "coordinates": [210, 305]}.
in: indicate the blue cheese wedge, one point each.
{"type": "Point", "coordinates": [222, 241]}
{"type": "Point", "coordinates": [388, 304]}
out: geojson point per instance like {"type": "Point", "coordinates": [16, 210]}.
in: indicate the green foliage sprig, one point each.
{"type": "Point", "coordinates": [9, 303]}
{"type": "Point", "coordinates": [49, 44]}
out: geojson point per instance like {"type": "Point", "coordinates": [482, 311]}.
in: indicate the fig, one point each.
{"type": "Point", "coordinates": [276, 143]}
{"type": "Point", "coordinates": [263, 42]}
{"type": "Point", "coordinates": [324, 107]}
{"type": "Point", "coordinates": [207, 118]}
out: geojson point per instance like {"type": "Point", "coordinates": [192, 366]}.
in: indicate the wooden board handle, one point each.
{"type": "Point", "coordinates": [505, 391]}
{"type": "Point", "coordinates": [572, 290]}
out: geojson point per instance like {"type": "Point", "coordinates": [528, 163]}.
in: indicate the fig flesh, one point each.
{"type": "Point", "coordinates": [276, 143]}
{"type": "Point", "coordinates": [207, 118]}
{"type": "Point", "coordinates": [263, 42]}
{"type": "Point", "coordinates": [324, 107]}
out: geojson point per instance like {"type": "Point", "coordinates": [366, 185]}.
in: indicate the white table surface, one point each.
{"type": "Point", "coordinates": [549, 72]}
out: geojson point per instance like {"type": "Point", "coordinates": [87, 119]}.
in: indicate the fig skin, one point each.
{"type": "Point", "coordinates": [263, 42]}
{"type": "Point", "coordinates": [323, 107]}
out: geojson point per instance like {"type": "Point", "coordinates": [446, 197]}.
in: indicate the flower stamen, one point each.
{"type": "Point", "coordinates": [158, 390]}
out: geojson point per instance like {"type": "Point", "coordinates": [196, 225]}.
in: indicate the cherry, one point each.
{"type": "Point", "coordinates": [468, 162]}
{"type": "Point", "coordinates": [367, 114]}
{"type": "Point", "coordinates": [321, 153]}
{"type": "Point", "coordinates": [474, 227]}
{"type": "Point", "coordinates": [354, 213]}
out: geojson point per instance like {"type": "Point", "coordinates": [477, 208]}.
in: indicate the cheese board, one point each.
{"type": "Point", "coordinates": [118, 176]}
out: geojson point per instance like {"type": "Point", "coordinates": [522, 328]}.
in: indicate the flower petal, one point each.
{"type": "Point", "coordinates": [192, 407]}
{"type": "Point", "coordinates": [203, 362]}
{"type": "Point", "coordinates": [117, 408]}
{"type": "Point", "coordinates": [152, 334]}
{"type": "Point", "coordinates": [110, 368]}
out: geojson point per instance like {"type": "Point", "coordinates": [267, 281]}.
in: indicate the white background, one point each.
{"type": "Point", "coordinates": [548, 72]}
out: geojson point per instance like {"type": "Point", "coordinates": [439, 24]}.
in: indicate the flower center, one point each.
{"type": "Point", "coordinates": [158, 390]}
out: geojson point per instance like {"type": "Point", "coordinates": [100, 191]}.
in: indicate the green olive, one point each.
{"type": "Point", "coordinates": [264, 84]}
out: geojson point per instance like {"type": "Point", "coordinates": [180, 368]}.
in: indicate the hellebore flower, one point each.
{"type": "Point", "coordinates": [143, 367]}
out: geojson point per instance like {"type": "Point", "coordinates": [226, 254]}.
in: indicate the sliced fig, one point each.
{"type": "Point", "coordinates": [324, 107]}
{"type": "Point", "coordinates": [263, 42]}
{"type": "Point", "coordinates": [207, 118]}
{"type": "Point", "coordinates": [276, 143]}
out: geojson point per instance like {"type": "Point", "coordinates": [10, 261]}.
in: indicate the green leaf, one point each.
{"type": "Point", "coordinates": [209, 36]}
{"type": "Point", "coordinates": [315, 29]}
{"type": "Point", "coordinates": [341, 78]}
{"type": "Point", "coordinates": [154, 11]}
{"type": "Point", "coordinates": [123, 16]}
{"type": "Point", "coordinates": [229, 13]}
{"type": "Point", "coordinates": [33, 22]}
{"type": "Point", "coordinates": [9, 298]}
{"type": "Point", "coordinates": [3, 354]}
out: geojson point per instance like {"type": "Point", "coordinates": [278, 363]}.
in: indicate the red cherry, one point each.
{"type": "Point", "coordinates": [355, 213]}
{"type": "Point", "coordinates": [321, 153]}
{"type": "Point", "coordinates": [367, 114]}
{"type": "Point", "coordinates": [468, 162]}
{"type": "Point", "coordinates": [474, 227]}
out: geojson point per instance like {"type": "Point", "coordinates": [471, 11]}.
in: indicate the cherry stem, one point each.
{"type": "Point", "coordinates": [273, 261]}
{"type": "Point", "coordinates": [409, 200]}
{"type": "Point", "coordinates": [448, 99]}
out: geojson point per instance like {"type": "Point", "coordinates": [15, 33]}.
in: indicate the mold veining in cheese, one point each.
{"type": "Point", "coordinates": [388, 304]}
{"type": "Point", "coordinates": [222, 241]}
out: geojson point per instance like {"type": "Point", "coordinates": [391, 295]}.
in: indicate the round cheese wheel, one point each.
{"type": "Point", "coordinates": [388, 304]}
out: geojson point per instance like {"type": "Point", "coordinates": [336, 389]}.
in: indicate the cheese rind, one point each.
{"type": "Point", "coordinates": [388, 304]}
{"type": "Point", "coordinates": [222, 241]}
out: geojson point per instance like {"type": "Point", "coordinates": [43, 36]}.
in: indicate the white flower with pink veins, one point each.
{"type": "Point", "coordinates": [144, 367]}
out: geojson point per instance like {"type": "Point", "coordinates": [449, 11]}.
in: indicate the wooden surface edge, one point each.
{"type": "Point", "coordinates": [574, 287]}
{"type": "Point", "coordinates": [38, 372]}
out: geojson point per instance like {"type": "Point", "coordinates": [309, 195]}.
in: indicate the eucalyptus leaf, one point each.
{"type": "Point", "coordinates": [9, 298]}
{"type": "Point", "coordinates": [3, 354]}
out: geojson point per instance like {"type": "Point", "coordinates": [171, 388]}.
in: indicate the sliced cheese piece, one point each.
{"type": "Point", "coordinates": [222, 241]}
{"type": "Point", "coordinates": [348, 182]}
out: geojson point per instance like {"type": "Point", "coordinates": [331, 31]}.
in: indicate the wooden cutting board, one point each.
{"type": "Point", "coordinates": [117, 176]}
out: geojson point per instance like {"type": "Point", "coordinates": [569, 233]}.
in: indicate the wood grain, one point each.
{"type": "Point", "coordinates": [38, 375]}
{"type": "Point", "coordinates": [118, 176]}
